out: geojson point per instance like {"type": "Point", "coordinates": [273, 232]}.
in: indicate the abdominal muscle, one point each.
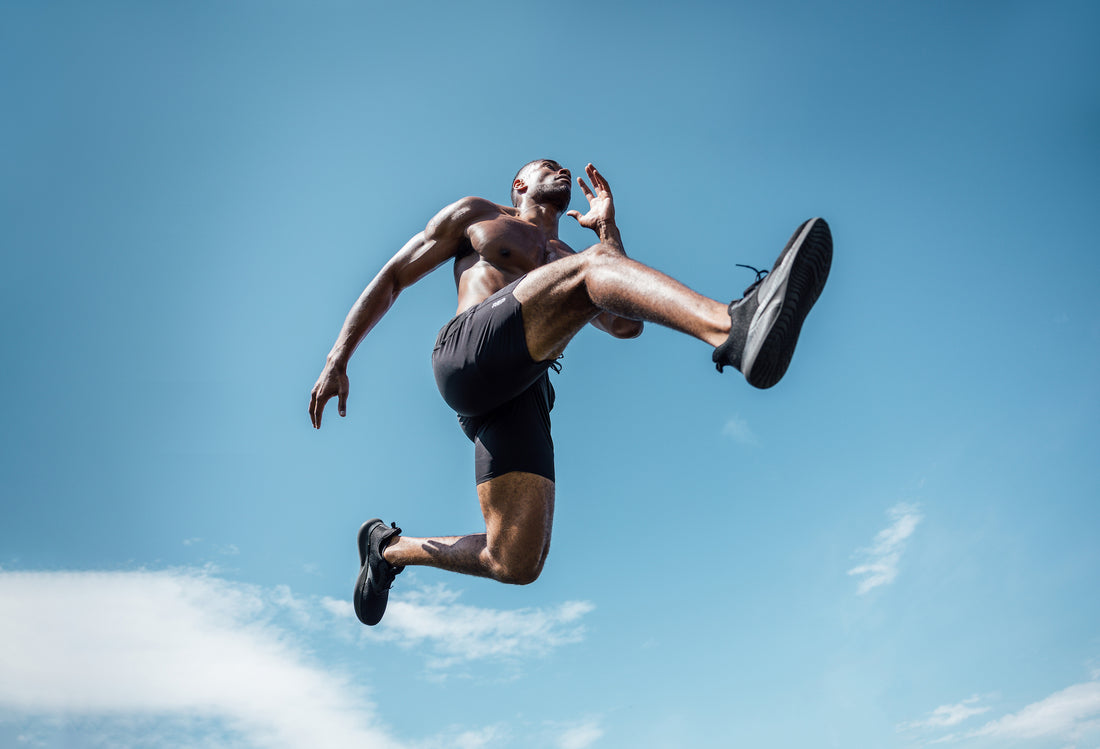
{"type": "Point", "coordinates": [477, 280]}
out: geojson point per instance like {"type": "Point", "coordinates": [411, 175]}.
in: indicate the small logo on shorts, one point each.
{"type": "Point", "coordinates": [497, 303]}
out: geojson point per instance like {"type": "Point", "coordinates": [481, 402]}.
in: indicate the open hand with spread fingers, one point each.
{"type": "Point", "coordinates": [601, 206]}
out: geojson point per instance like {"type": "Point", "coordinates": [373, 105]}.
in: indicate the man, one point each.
{"type": "Point", "coordinates": [522, 296]}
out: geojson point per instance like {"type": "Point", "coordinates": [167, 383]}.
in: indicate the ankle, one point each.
{"type": "Point", "coordinates": [391, 551]}
{"type": "Point", "coordinates": [718, 326]}
{"type": "Point", "coordinates": [717, 336]}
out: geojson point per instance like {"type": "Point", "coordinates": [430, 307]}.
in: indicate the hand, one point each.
{"type": "Point", "coordinates": [333, 381]}
{"type": "Point", "coordinates": [601, 206]}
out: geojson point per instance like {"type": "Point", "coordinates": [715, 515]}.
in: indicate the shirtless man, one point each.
{"type": "Point", "coordinates": [522, 296]}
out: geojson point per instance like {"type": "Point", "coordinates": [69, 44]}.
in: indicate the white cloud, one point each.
{"type": "Point", "coordinates": [739, 430]}
{"type": "Point", "coordinates": [431, 621]}
{"type": "Point", "coordinates": [1094, 669]}
{"type": "Point", "coordinates": [1073, 714]}
{"type": "Point", "coordinates": [226, 549]}
{"type": "Point", "coordinates": [457, 738]}
{"type": "Point", "coordinates": [949, 715]}
{"type": "Point", "coordinates": [881, 565]}
{"type": "Point", "coordinates": [581, 736]}
{"type": "Point", "coordinates": [1069, 713]}
{"type": "Point", "coordinates": [145, 657]}
{"type": "Point", "coordinates": [178, 644]}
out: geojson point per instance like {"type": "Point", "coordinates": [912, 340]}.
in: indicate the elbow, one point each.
{"type": "Point", "coordinates": [389, 283]}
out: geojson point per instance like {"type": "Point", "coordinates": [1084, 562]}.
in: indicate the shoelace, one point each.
{"type": "Point", "coordinates": [760, 275]}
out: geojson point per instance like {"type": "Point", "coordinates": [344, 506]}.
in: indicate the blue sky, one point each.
{"type": "Point", "coordinates": [895, 547]}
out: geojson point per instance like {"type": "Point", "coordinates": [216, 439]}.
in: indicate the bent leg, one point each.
{"type": "Point", "coordinates": [560, 298]}
{"type": "Point", "coordinates": [519, 515]}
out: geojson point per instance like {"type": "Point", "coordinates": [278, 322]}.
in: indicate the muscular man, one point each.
{"type": "Point", "coordinates": [522, 296]}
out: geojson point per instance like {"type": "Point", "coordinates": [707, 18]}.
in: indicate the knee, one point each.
{"type": "Point", "coordinates": [601, 261]}
{"type": "Point", "coordinates": [517, 572]}
{"type": "Point", "coordinates": [602, 253]}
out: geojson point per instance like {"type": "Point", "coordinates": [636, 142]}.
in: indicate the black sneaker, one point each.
{"type": "Point", "coordinates": [372, 587]}
{"type": "Point", "coordinates": [765, 323]}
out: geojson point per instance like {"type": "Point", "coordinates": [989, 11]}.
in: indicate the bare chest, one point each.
{"type": "Point", "coordinates": [510, 243]}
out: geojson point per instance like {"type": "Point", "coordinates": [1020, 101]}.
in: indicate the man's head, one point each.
{"type": "Point", "coordinates": [543, 181]}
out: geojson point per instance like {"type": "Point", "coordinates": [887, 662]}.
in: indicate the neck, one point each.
{"type": "Point", "coordinates": [543, 216]}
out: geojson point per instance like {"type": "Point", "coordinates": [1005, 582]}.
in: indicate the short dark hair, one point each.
{"type": "Point", "coordinates": [515, 195]}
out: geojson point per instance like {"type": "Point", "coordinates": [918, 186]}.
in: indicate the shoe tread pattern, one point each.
{"type": "Point", "coordinates": [807, 279]}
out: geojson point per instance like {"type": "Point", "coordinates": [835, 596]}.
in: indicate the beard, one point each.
{"type": "Point", "coordinates": [555, 194]}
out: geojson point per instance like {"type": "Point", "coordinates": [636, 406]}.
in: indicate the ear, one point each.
{"type": "Point", "coordinates": [519, 186]}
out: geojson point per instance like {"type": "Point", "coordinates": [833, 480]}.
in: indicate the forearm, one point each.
{"type": "Point", "coordinates": [619, 327]}
{"type": "Point", "coordinates": [608, 232]}
{"type": "Point", "coordinates": [368, 309]}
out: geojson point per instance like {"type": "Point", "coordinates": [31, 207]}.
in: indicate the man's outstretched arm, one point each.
{"type": "Point", "coordinates": [422, 254]}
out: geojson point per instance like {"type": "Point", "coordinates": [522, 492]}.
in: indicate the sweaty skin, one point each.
{"type": "Point", "coordinates": [560, 292]}
{"type": "Point", "coordinates": [492, 245]}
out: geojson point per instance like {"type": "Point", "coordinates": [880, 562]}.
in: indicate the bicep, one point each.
{"type": "Point", "coordinates": [438, 243]}
{"type": "Point", "coordinates": [419, 257]}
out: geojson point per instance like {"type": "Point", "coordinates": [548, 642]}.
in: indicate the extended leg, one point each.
{"type": "Point", "coordinates": [756, 334]}
{"type": "Point", "coordinates": [560, 298]}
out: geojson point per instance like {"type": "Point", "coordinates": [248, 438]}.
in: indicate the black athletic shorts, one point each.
{"type": "Point", "coordinates": [502, 397]}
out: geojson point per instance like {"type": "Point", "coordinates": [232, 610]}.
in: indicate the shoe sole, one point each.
{"type": "Point", "coordinates": [362, 581]}
{"type": "Point", "coordinates": [786, 296]}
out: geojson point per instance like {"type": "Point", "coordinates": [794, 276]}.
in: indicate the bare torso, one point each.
{"type": "Point", "coordinates": [498, 248]}
{"type": "Point", "coordinates": [492, 246]}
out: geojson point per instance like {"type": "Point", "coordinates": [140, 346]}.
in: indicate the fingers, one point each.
{"type": "Point", "coordinates": [598, 180]}
{"type": "Point", "coordinates": [574, 214]}
{"type": "Point", "coordinates": [329, 385]}
{"type": "Point", "coordinates": [316, 408]}
{"type": "Point", "coordinates": [584, 188]}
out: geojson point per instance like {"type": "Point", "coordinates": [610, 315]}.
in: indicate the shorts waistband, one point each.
{"type": "Point", "coordinates": [450, 324]}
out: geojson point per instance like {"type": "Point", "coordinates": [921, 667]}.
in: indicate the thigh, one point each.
{"type": "Point", "coordinates": [519, 516]}
{"type": "Point", "coordinates": [516, 436]}
{"type": "Point", "coordinates": [481, 359]}
{"type": "Point", "coordinates": [555, 305]}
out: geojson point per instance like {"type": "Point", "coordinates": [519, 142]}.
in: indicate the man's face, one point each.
{"type": "Point", "coordinates": [549, 183]}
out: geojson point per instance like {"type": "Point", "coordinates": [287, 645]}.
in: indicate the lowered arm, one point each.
{"type": "Point", "coordinates": [422, 254]}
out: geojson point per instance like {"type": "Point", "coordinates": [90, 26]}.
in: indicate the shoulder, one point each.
{"type": "Point", "coordinates": [460, 214]}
